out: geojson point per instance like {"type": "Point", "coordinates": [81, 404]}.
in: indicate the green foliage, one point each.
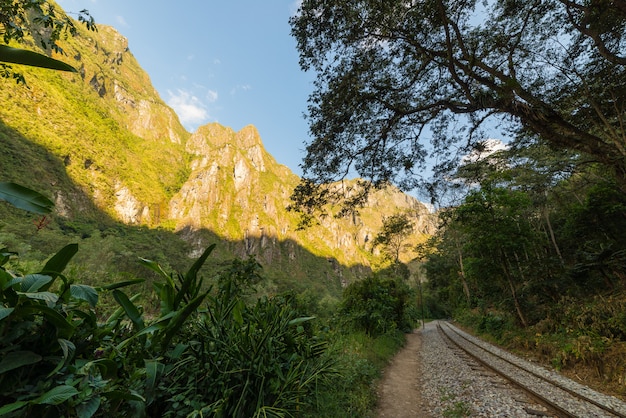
{"type": "Point", "coordinates": [393, 235]}
{"type": "Point", "coordinates": [226, 358]}
{"type": "Point", "coordinates": [377, 305]}
{"type": "Point", "coordinates": [360, 359]}
{"type": "Point", "coordinates": [538, 226]}
{"type": "Point", "coordinates": [241, 360]}
{"type": "Point", "coordinates": [48, 337]}
{"type": "Point", "coordinates": [24, 57]}
{"type": "Point", "coordinates": [24, 198]}
{"type": "Point", "coordinates": [386, 119]}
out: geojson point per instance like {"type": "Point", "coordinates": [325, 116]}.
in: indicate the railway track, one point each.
{"type": "Point", "coordinates": [563, 397]}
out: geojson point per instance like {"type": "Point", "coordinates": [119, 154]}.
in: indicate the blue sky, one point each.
{"type": "Point", "coordinates": [232, 62]}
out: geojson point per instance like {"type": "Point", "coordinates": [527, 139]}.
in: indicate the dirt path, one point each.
{"type": "Point", "coordinates": [399, 390]}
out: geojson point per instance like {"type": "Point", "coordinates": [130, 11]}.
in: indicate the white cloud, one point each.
{"type": "Point", "coordinates": [211, 96]}
{"type": "Point", "coordinates": [191, 111]}
{"type": "Point", "coordinates": [486, 148]}
{"type": "Point", "coordinates": [121, 21]}
{"type": "Point", "coordinates": [240, 87]}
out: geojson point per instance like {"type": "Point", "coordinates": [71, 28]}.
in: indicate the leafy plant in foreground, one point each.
{"type": "Point", "coordinates": [242, 360]}
{"type": "Point", "coordinates": [48, 337]}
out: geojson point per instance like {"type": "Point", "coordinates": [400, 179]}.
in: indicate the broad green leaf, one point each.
{"type": "Point", "coordinates": [117, 285]}
{"type": "Point", "coordinates": [119, 311]}
{"type": "Point", "coordinates": [24, 198]}
{"type": "Point", "coordinates": [59, 261]}
{"type": "Point", "coordinates": [69, 349]}
{"type": "Point", "coordinates": [49, 297]}
{"type": "Point", "coordinates": [88, 408]}
{"type": "Point", "coordinates": [5, 255]}
{"type": "Point", "coordinates": [178, 351]}
{"type": "Point", "coordinates": [14, 359]}
{"type": "Point", "coordinates": [159, 325]}
{"type": "Point", "coordinates": [12, 407]}
{"type": "Point", "coordinates": [154, 370]}
{"type": "Point", "coordinates": [12, 282]}
{"type": "Point", "coordinates": [56, 395]}
{"type": "Point", "coordinates": [193, 271]}
{"type": "Point", "coordinates": [33, 282]}
{"type": "Point", "coordinates": [181, 316]}
{"type": "Point", "coordinates": [153, 265]}
{"type": "Point", "coordinates": [131, 310]}
{"type": "Point", "coordinates": [167, 296]}
{"type": "Point", "coordinates": [237, 311]}
{"type": "Point", "coordinates": [191, 278]}
{"type": "Point", "coordinates": [108, 368]}
{"type": "Point", "coordinates": [128, 396]}
{"type": "Point", "coordinates": [33, 59]}
{"type": "Point", "coordinates": [64, 328]}
{"type": "Point", "coordinates": [4, 312]}
{"type": "Point", "coordinates": [84, 292]}
{"type": "Point", "coordinates": [300, 320]}
{"type": "Point", "coordinates": [89, 317]}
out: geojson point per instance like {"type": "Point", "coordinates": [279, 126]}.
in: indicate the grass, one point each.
{"type": "Point", "coordinates": [361, 360]}
{"type": "Point", "coordinates": [455, 409]}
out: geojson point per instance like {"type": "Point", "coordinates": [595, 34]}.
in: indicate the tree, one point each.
{"type": "Point", "coordinates": [377, 305]}
{"type": "Point", "coordinates": [39, 19]}
{"type": "Point", "coordinates": [393, 235]}
{"type": "Point", "coordinates": [394, 75]}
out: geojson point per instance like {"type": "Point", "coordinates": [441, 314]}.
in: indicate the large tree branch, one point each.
{"type": "Point", "coordinates": [585, 27]}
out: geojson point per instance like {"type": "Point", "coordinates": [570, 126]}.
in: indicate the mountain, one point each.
{"type": "Point", "coordinates": [110, 152]}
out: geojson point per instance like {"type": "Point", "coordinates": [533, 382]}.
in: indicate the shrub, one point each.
{"type": "Point", "coordinates": [203, 353]}
{"type": "Point", "coordinates": [241, 360]}
{"type": "Point", "coordinates": [50, 342]}
{"type": "Point", "coordinates": [378, 305]}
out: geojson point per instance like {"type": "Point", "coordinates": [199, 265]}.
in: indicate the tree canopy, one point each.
{"type": "Point", "coordinates": [403, 83]}
{"type": "Point", "coordinates": [393, 235]}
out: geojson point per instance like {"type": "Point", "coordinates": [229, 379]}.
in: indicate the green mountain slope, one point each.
{"type": "Point", "coordinates": [111, 154]}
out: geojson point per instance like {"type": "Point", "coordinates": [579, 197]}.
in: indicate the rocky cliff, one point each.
{"type": "Point", "coordinates": [104, 141]}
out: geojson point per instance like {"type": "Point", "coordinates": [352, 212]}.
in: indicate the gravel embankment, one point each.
{"type": "Point", "coordinates": [452, 386]}
{"type": "Point", "coordinates": [546, 383]}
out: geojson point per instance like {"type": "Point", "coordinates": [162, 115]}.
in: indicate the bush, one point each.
{"type": "Point", "coordinates": [244, 360]}
{"type": "Point", "coordinates": [378, 306]}
{"type": "Point", "coordinates": [360, 360]}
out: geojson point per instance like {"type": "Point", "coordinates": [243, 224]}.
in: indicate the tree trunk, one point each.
{"type": "Point", "coordinates": [462, 277]}
{"type": "Point", "coordinates": [509, 278]}
{"type": "Point", "coordinates": [551, 231]}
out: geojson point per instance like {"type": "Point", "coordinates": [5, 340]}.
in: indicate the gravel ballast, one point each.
{"type": "Point", "coordinates": [456, 386]}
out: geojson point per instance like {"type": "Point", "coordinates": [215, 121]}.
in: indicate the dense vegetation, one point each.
{"type": "Point", "coordinates": [534, 255]}
{"type": "Point", "coordinates": [195, 347]}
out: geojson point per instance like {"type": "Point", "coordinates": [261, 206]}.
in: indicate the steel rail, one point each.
{"type": "Point", "coordinates": [551, 403]}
